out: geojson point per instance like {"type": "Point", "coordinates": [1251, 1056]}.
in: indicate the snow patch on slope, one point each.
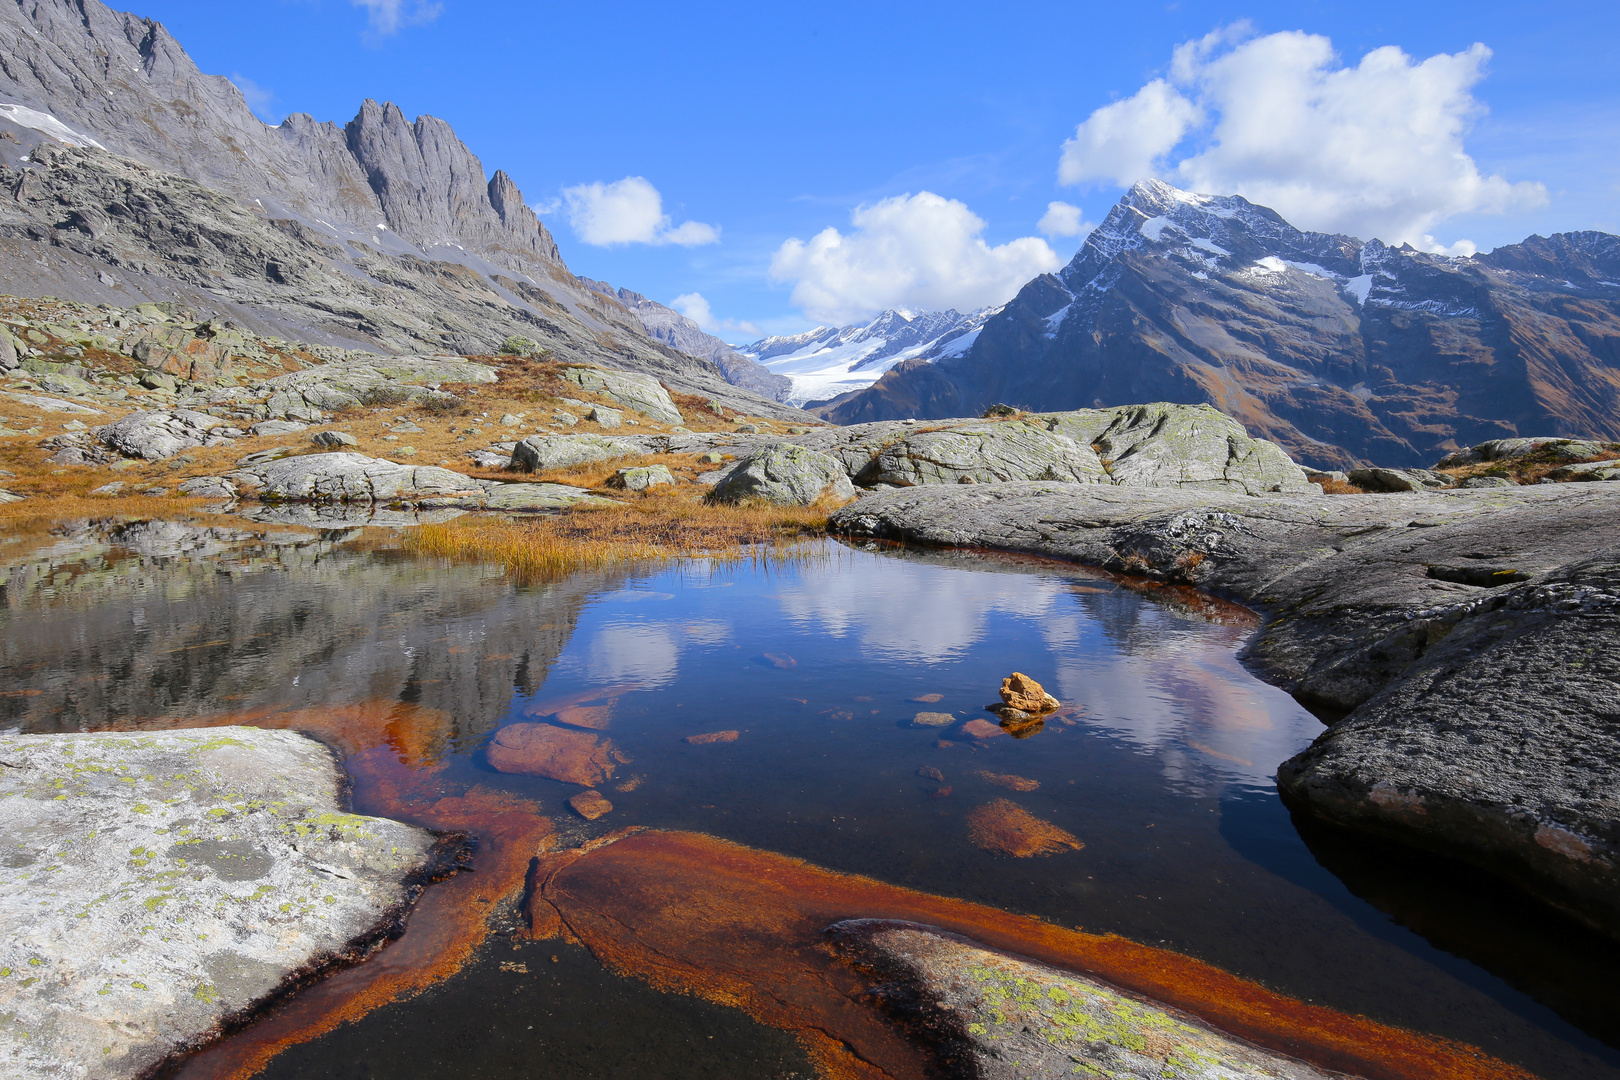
{"type": "Point", "coordinates": [46, 124]}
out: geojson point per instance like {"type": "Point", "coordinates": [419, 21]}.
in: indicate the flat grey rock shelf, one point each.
{"type": "Point", "coordinates": [155, 884]}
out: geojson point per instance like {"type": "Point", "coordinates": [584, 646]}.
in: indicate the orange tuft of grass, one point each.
{"type": "Point", "coordinates": [656, 527]}
{"type": "Point", "coordinates": [1338, 487]}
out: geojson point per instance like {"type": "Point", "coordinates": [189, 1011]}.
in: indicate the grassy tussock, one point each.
{"type": "Point", "coordinates": [655, 528]}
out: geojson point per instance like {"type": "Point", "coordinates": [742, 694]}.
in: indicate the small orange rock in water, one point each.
{"type": "Point", "coordinates": [595, 717]}
{"type": "Point", "coordinates": [933, 719]}
{"type": "Point", "coordinates": [929, 699]}
{"type": "Point", "coordinates": [928, 772]}
{"type": "Point", "coordinates": [1007, 780]}
{"type": "Point", "coordinates": [781, 660]}
{"type": "Point", "coordinates": [1009, 829]}
{"type": "Point", "coordinates": [575, 757]}
{"type": "Point", "coordinates": [1019, 691]}
{"type": "Point", "coordinates": [981, 729]}
{"type": "Point", "coordinates": [590, 805]}
{"type": "Point", "coordinates": [630, 784]}
{"type": "Point", "coordinates": [713, 737]}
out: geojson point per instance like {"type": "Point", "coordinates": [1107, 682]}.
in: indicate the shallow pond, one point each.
{"type": "Point", "coordinates": [1160, 765]}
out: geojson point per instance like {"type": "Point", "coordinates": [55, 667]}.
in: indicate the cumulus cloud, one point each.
{"type": "Point", "coordinates": [258, 98]}
{"type": "Point", "coordinates": [695, 307]}
{"type": "Point", "coordinates": [629, 211]}
{"type": "Point", "coordinates": [1375, 149]}
{"type": "Point", "coordinates": [1122, 142]}
{"type": "Point", "coordinates": [1063, 219]}
{"type": "Point", "coordinates": [388, 16]}
{"type": "Point", "coordinates": [920, 250]}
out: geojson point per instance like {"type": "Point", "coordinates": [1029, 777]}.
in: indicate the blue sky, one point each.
{"type": "Point", "coordinates": [754, 126]}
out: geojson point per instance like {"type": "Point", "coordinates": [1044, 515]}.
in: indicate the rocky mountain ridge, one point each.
{"type": "Point", "coordinates": [1343, 351]}
{"type": "Point", "coordinates": [136, 178]}
{"type": "Point", "coordinates": [828, 363]}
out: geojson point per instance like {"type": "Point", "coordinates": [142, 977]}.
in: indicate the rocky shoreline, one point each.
{"type": "Point", "coordinates": [1467, 637]}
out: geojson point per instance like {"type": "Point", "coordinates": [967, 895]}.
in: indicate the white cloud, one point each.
{"type": "Point", "coordinates": [1121, 142]}
{"type": "Point", "coordinates": [1062, 219]}
{"type": "Point", "coordinates": [1371, 150]}
{"type": "Point", "coordinates": [259, 99]}
{"type": "Point", "coordinates": [629, 211]}
{"type": "Point", "coordinates": [388, 16]}
{"type": "Point", "coordinates": [696, 308]}
{"type": "Point", "coordinates": [919, 250]}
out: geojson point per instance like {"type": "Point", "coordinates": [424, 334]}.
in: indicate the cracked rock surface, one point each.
{"type": "Point", "coordinates": [1470, 635]}
{"type": "Point", "coordinates": [155, 884]}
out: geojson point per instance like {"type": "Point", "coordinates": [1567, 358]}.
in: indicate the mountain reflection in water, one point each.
{"type": "Point", "coordinates": [1161, 762]}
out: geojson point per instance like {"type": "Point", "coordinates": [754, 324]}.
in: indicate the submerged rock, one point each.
{"type": "Point", "coordinates": [1006, 828]}
{"type": "Point", "coordinates": [993, 1016]}
{"type": "Point", "coordinates": [713, 737]}
{"type": "Point", "coordinates": [785, 475]}
{"type": "Point", "coordinates": [156, 883]}
{"type": "Point", "coordinates": [591, 805]}
{"type": "Point", "coordinates": [933, 719]}
{"type": "Point", "coordinates": [574, 757]}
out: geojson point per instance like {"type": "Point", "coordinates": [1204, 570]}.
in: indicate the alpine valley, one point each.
{"type": "Point", "coordinates": [1343, 351]}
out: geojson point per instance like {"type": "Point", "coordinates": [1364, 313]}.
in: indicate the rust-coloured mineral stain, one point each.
{"type": "Point", "coordinates": [713, 737]}
{"type": "Point", "coordinates": [445, 927]}
{"type": "Point", "coordinates": [744, 928]}
{"type": "Point", "coordinates": [1008, 829]}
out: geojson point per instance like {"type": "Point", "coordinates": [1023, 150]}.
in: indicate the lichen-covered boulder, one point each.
{"type": "Point", "coordinates": [538, 453]}
{"type": "Point", "coordinates": [395, 380]}
{"type": "Point", "coordinates": [1548, 446]}
{"type": "Point", "coordinates": [1181, 446]}
{"type": "Point", "coordinates": [157, 883]}
{"type": "Point", "coordinates": [643, 477]}
{"type": "Point", "coordinates": [341, 477]}
{"type": "Point", "coordinates": [785, 474]}
{"type": "Point", "coordinates": [160, 434]}
{"type": "Point", "coordinates": [642, 393]}
{"type": "Point", "coordinates": [1000, 1017]}
{"type": "Point", "coordinates": [984, 453]}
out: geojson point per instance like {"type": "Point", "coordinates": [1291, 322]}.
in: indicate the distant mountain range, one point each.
{"type": "Point", "coordinates": [384, 233]}
{"type": "Point", "coordinates": [1344, 351]}
{"type": "Point", "coordinates": [827, 363]}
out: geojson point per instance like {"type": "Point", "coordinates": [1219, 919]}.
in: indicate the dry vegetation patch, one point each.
{"type": "Point", "coordinates": [652, 528]}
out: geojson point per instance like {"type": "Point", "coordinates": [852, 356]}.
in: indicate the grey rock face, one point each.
{"type": "Point", "coordinates": [158, 882]}
{"type": "Point", "coordinates": [403, 380]}
{"type": "Point", "coordinates": [633, 391]}
{"type": "Point", "coordinates": [208, 487]}
{"type": "Point", "coordinates": [159, 434]}
{"type": "Point", "coordinates": [785, 474]}
{"type": "Point", "coordinates": [531, 497]}
{"type": "Point", "coordinates": [343, 477]}
{"type": "Point", "coordinates": [537, 453]}
{"type": "Point", "coordinates": [1591, 470]}
{"type": "Point", "coordinates": [1192, 446]}
{"type": "Point", "coordinates": [277, 427]}
{"type": "Point", "coordinates": [993, 1016]}
{"type": "Point", "coordinates": [331, 440]}
{"type": "Point", "coordinates": [1398, 479]}
{"type": "Point", "coordinates": [1469, 633]}
{"type": "Point", "coordinates": [606, 418]}
{"type": "Point", "coordinates": [1487, 482]}
{"type": "Point", "coordinates": [984, 453]}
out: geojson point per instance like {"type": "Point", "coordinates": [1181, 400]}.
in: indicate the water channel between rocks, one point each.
{"type": "Point", "coordinates": [1161, 765]}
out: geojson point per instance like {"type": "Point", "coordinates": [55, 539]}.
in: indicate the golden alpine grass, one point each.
{"type": "Point", "coordinates": [646, 530]}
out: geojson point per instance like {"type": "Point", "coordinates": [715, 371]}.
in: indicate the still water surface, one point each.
{"type": "Point", "coordinates": [1162, 765]}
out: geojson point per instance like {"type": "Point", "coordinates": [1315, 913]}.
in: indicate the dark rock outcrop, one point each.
{"type": "Point", "coordinates": [1344, 352]}
{"type": "Point", "coordinates": [1469, 635]}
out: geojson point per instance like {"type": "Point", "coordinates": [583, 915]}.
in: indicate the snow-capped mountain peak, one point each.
{"type": "Point", "coordinates": [828, 361]}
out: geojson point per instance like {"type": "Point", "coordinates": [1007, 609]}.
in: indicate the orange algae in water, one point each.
{"type": "Point", "coordinates": [691, 913]}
